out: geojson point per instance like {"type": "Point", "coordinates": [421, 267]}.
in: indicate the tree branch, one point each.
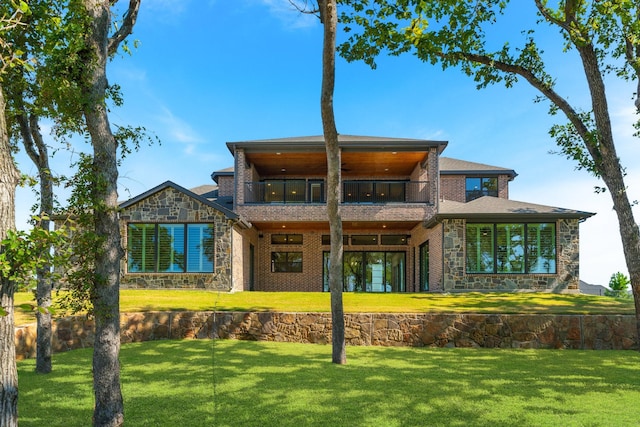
{"type": "Point", "coordinates": [541, 86]}
{"type": "Point", "coordinates": [127, 26]}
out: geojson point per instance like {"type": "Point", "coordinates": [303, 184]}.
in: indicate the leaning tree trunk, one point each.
{"type": "Point", "coordinates": [9, 177]}
{"type": "Point", "coordinates": [329, 17]}
{"type": "Point", "coordinates": [109, 409]}
{"type": "Point", "coordinates": [609, 168]}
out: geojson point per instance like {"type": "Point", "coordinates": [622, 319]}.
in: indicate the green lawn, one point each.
{"type": "Point", "coordinates": [239, 383]}
{"type": "Point", "coordinates": [179, 300]}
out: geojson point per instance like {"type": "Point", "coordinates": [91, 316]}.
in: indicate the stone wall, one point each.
{"type": "Point", "coordinates": [172, 206]}
{"type": "Point", "coordinates": [597, 332]}
{"type": "Point", "coordinates": [565, 280]}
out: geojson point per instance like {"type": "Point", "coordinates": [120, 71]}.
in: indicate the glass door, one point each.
{"type": "Point", "coordinates": [376, 277]}
{"type": "Point", "coordinates": [424, 266]}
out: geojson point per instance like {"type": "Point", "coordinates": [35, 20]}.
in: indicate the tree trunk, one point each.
{"type": "Point", "coordinates": [9, 177]}
{"type": "Point", "coordinates": [109, 409]}
{"type": "Point", "coordinates": [37, 150]}
{"type": "Point", "coordinates": [608, 166]}
{"type": "Point", "coordinates": [328, 13]}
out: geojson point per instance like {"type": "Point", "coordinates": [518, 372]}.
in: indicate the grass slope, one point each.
{"type": "Point", "coordinates": [239, 383]}
{"type": "Point", "coordinates": [180, 300]}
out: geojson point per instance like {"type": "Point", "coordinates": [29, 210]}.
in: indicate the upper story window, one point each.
{"type": "Point", "coordinates": [170, 248]}
{"type": "Point", "coordinates": [477, 187]}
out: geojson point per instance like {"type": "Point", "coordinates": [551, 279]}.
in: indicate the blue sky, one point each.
{"type": "Point", "coordinates": [209, 72]}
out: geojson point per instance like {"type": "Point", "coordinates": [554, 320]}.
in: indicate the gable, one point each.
{"type": "Point", "coordinates": [170, 202]}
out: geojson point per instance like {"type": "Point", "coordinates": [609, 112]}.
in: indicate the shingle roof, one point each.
{"type": "Point", "coordinates": [209, 191]}
{"type": "Point", "coordinates": [488, 207]}
{"type": "Point", "coordinates": [449, 166]}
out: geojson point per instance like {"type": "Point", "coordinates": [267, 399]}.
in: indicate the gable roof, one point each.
{"type": "Point", "coordinates": [494, 208]}
{"type": "Point", "coordinates": [169, 184]}
{"type": "Point", "coordinates": [449, 166]}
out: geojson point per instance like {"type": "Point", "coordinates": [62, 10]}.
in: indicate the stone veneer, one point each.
{"type": "Point", "coordinates": [172, 206]}
{"type": "Point", "coordinates": [566, 278]}
{"type": "Point", "coordinates": [591, 332]}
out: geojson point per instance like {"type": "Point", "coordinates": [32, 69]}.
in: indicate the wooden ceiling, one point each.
{"type": "Point", "coordinates": [354, 164]}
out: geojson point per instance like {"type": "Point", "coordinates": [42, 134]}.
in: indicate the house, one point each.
{"type": "Point", "coordinates": [413, 221]}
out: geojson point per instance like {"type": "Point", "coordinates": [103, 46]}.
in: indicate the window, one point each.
{"type": "Point", "coordinates": [478, 187]}
{"type": "Point", "coordinates": [364, 239]}
{"type": "Point", "coordinates": [511, 248]}
{"type": "Point", "coordinates": [284, 191]}
{"type": "Point", "coordinates": [393, 239]}
{"type": "Point", "coordinates": [286, 262]}
{"type": "Point", "coordinates": [286, 239]}
{"type": "Point", "coordinates": [373, 191]}
{"type": "Point", "coordinates": [326, 239]}
{"type": "Point", "coordinates": [170, 248]}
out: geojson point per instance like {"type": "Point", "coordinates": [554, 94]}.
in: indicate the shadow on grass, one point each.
{"type": "Point", "coordinates": [231, 383]}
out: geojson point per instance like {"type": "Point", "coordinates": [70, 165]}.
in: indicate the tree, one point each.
{"type": "Point", "coordinates": [9, 177]}
{"type": "Point", "coordinates": [99, 45]}
{"type": "Point", "coordinates": [604, 34]}
{"type": "Point", "coordinates": [327, 11]}
{"type": "Point", "coordinates": [329, 18]}
{"type": "Point", "coordinates": [618, 284]}
{"type": "Point", "coordinates": [24, 107]}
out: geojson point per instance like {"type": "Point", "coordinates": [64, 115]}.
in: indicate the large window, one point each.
{"type": "Point", "coordinates": [477, 187]}
{"type": "Point", "coordinates": [170, 248]}
{"type": "Point", "coordinates": [511, 248]}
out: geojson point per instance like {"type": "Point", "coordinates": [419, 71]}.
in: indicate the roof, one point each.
{"type": "Point", "coordinates": [492, 208]}
{"type": "Point", "coordinates": [449, 166]}
{"type": "Point", "coordinates": [222, 172]}
{"type": "Point", "coordinates": [316, 143]}
{"type": "Point", "coordinates": [208, 191]}
{"type": "Point", "coordinates": [169, 184]}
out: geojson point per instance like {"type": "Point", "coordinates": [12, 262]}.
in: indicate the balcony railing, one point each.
{"type": "Point", "coordinates": [359, 192]}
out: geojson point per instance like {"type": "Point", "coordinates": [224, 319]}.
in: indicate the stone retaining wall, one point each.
{"type": "Point", "coordinates": [597, 332]}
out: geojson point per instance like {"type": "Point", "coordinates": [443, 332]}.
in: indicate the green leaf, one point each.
{"type": "Point", "coordinates": [26, 307]}
{"type": "Point", "coordinates": [24, 7]}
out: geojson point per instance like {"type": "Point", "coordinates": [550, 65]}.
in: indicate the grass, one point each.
{"type": "Point", "coordinates": [232, 383]}
{"type": "Point", "coordinates": [180, 300]}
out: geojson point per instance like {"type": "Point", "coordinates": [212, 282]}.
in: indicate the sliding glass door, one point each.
{"type": "Point", "coordinates": [373, 271]}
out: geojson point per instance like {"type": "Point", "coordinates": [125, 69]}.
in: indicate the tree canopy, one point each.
{"type": "Point", "coordinates": [483, 39]}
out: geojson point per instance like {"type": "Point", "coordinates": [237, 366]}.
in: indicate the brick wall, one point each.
{"type": "Point", "coordinates": [452, 187]}
{"type": "Point", "coordinates": [225, 186]}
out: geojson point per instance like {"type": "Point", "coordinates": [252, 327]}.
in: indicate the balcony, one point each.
{"type": "Point", "coordinates": [300, 191]}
